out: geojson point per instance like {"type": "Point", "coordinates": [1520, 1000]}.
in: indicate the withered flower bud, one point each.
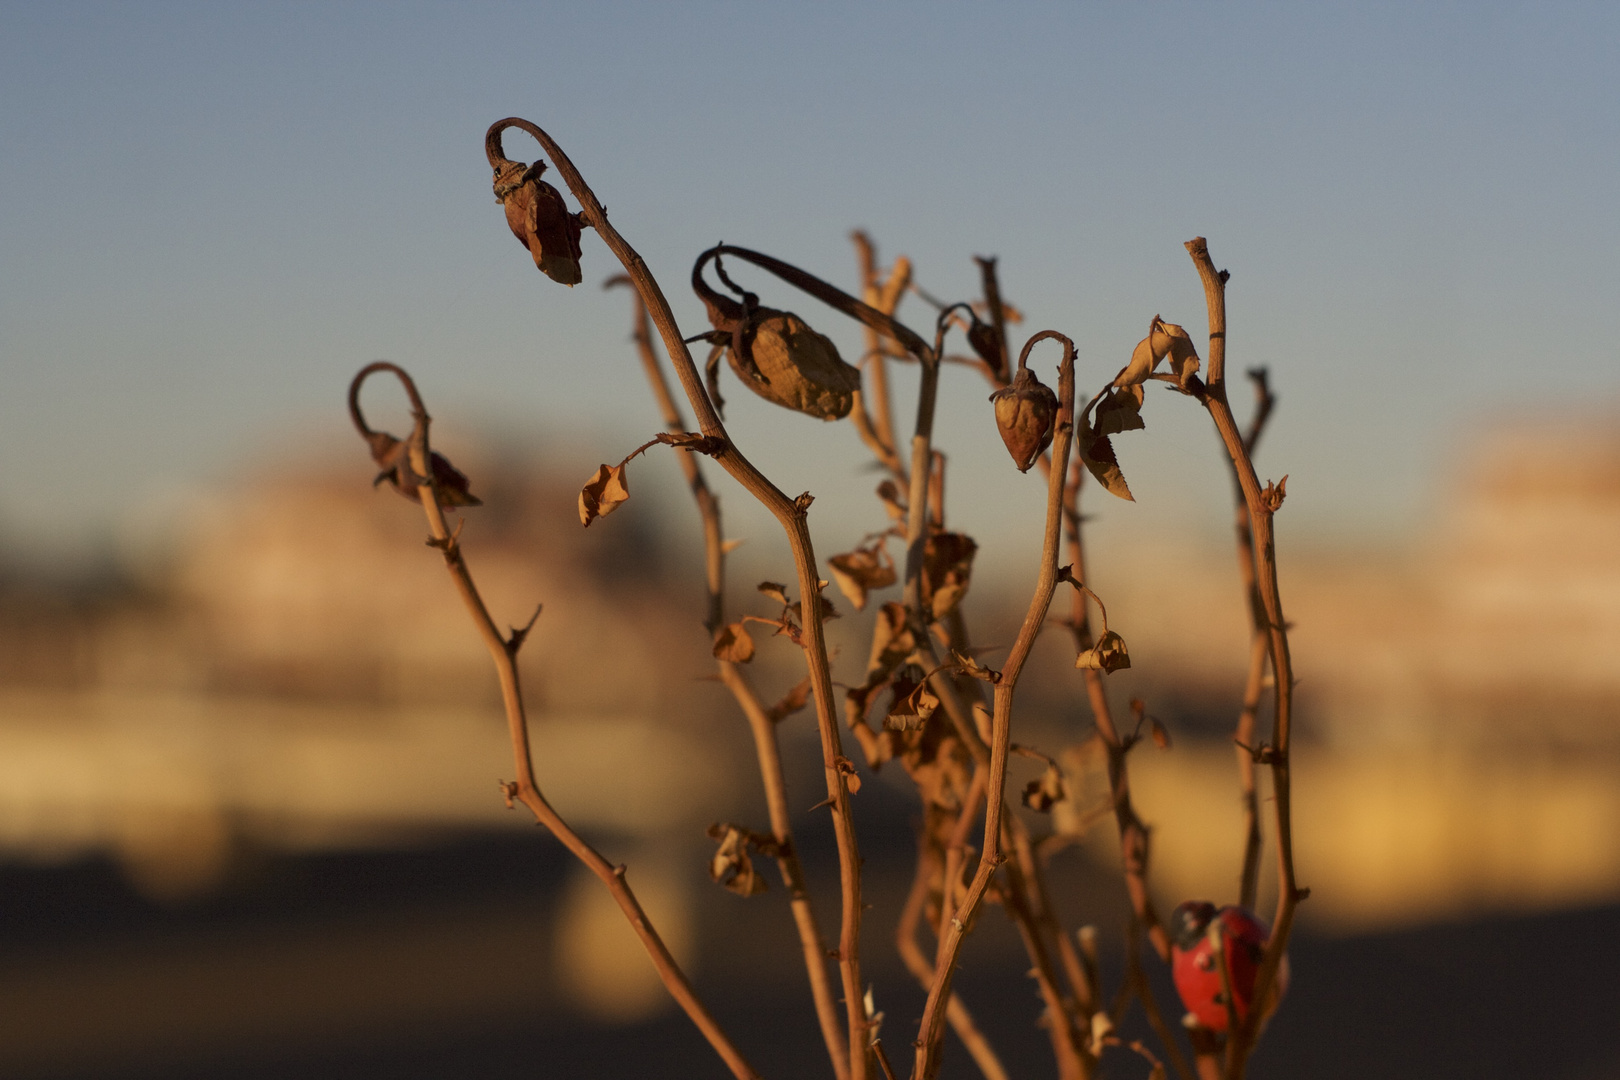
{"type": "Point", "coordinates": [777, 354]}
{"type": "Point", "coordinates": [539, 218]}
{"type": "Point", "coordinates": [1025, 412]}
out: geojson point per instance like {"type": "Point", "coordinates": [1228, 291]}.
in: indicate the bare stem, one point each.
{"type": "Point", "coordinates": [503, 650]}
{"type": "Point", "coordinates": [791, 515]}
{"type": "Point", "coordinates": [930, 1030]}
{"type": "Point", "coordinates": [767, 747]}
{"type": "Point", "coordinates": [1260, 522]}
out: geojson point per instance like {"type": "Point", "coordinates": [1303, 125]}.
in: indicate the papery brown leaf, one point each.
{"type": "Point", "coordinates": [913, 703]}
{"type": "Point", "coordinates": [1098, 454]}
{"type": "Point", "coordinates": [971, 667]}
{"type": "Point", "coordinates": [775, 590]}
{"type": "Point", "coordinates": [947, 571]}
{"type": "Point", "coordinates": [892, 502]}
{"type": "Point", "coordinates": [393, 457]}
{"type": "Point", "coordinates": [861, 571]}
{"type": "Point", "coordinates": [695, 441]}
{"type": "Point", "coordinates": [1161, 737]}
{"type": "Point", "coordinates": [1109, 654]}
{"type": "Point", "coordinates": [539, 218]}
{"type": "Point", "coordinates": [603, 493]}
{"type": "Point", "coordinates": [796, 609]}
{"type": "Point", "coordinates": [732, 643]}
{"type": "Point", "coordinates": [1044, 790]}
{"type": "Point", "coordinates": [852, 779]}
{"type": "Point", "coordinates": [794, 700]}
{"type": "Point", "coordinates": [1119, 410]}
{"type": "Point", "coordinates": [1026, 411]}
{"type": "Point", "coordinates": [1183, 357]}
{"type": "Point", "coordinates": [730, 865]}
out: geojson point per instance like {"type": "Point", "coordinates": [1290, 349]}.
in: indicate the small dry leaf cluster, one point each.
{"type": "Point", "coordinates": [928, 701]}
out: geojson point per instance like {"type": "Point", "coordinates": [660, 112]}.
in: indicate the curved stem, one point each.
{"type": "Point", "coordinates": [790, 514]}
{"type": "Point", "coordinates": [930, 1030]}
{"type": "Point", "coordinates": [1260, 521]}
{"type": "Point", "coordinates": [503, 651]}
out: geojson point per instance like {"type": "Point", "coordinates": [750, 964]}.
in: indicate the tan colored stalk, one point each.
{"type": "Point", "coordinates": [1259, 650]}
{"type": "Point", "coordinates": [791, 515]}
{"type": "Point", "coordinates": [1260, 510]}
{"type": "Point", "coordinates": [956, 1012]}
{"type": "Point", "coordinates": [931, 1029]}
{"type": "Point", "coordinates": [767, 747]}
{"type": "Point", "coordinates": [876, 427]}
{"type": "Point", "coordinates": [503, 650]}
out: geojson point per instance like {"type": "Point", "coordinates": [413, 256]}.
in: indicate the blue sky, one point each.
{"type": "Point", "coordinates": [214, 213]}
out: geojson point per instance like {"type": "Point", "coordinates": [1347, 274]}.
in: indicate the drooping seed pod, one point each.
{"type": "Point", "coordinates": [1025, 412]}
{"type": "Point", "coordinates": [536, 213]}
{"type": "Point", "coordinates": [778, 355]}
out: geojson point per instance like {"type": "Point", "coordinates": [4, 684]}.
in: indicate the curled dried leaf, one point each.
{"type": "Point", "coordinates": [852, 779]}
{"type": "Point", "coordinates": [913, 703]}
{"type": "Point", "coordinates": [539, 218]}
{"type": "Point", "coordinates": [794, 700]}
{"type": "Point", "coordinates": [1098, 454]}
{"type": "Point", "coordinates": [603, 493]}
{"type": "Point", "coordinates": [1183, 357]}
{"type": "Point", "coordinates": [947, 571]}
{"type": "Point", "coordinates": [733, 643]}
{"type": "Point", "coordinates": [892, 500]}
{"type": "Point", "coordinates": [1026, 411]}
{"type": "Point", "coordinates": [775, 590]}
{"type": "Point", "coordinates": [1109, 654]}
{"type": "Point", "coordinates": [1045, 790]}
{"type": "Point", "coordinates": [1119, 410]}
{"type": "Point", "coordinates": [971, 667]}
{"type": "Point", "coordinates": [861, 571]}
{"type": "Point", "coordinates": [799, 368]}
{"type": "Point", "coordinates": [731, 866]}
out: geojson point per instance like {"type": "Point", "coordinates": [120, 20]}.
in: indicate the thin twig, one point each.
{"type": "Point", "coordinates": [767, 746]}
{"type": "Point", "coordinates": [524, 789]}
{"type": "Point", "coordinates": [1260, 511]}
{"type": "Point", "coordinates": [931, 1030]}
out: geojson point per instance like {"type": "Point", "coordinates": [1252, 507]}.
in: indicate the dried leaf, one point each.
{"type": "Point", "coordinates": [913, 703]}
{"type": "Point", "coordinates": [892, 502]}
{"type": "Point", "coordinates": [1272, 498]}
{"type": "Point", "coordinates": [539, 218]}
{"type": "Point", "coordinates": [1183, 357]}
{"type": "Point", "coordinates": [852, 779]}
{"type": "Point", "coordinates": [984, 340]}
{"type": "Point", "coordinates": [732, 643]}
{"type": "Point", "coordinates": [603, 493]}
{"type": "Point", "coordinates": [1119, 410]}
{"type": "Point", "coordinates": [775, 590]}
{"type": "Point", "coordinates": [730, 865]}
{"type": "Point", "coordinates": [1046, 789]}
{"type": "Point", "coordinates": [1102, 1027]}
{"type": "Point", "coordinates": [861, 571]}
{"type": "Point", "coordinates": [1109, 654]}
{"type": "Point", "coordinates": [1161, 737]}
{"type": "Point", "coordinates": [794, 700]}
{"type": "Point", "coordinates": [827, 610]}
{"type": "Point", "coordinates": [1025, 412]}
{"type": "Point", "coordinates": [969, 666]}
{"type": "Point", "coordinates": [1098, 454]}
{"type": "Point", "coordinates": [947, 570]}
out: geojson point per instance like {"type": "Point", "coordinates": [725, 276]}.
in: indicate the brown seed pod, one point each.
{"type": "Point", "coordinates": [536, 213]}
{"type": "Point", "coordinates": [777, 354]}
{"type": "Point", "coordinates": [1025, 411]}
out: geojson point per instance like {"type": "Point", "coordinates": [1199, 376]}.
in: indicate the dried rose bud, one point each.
{"type": "Point", "coordinates": [1025, 412]}
{"type": "Point", "coordinates": [539, 219]}
{"type": "Point", "coordinates": [801, 369]}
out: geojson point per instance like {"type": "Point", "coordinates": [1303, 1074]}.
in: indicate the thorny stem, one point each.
{"type": "Point", "coordinates": [503, 650]}
{"type": "Point", "coordinates": [791, 514]}
{"type": "Point", "coordinates": [961, 1021]}
{"type": "Point", "coordinates": [1260, 521]}
{"type": "Point", "coordinates": [766, 744]}
{"type": "Point", "coordinates": [931, 1030]}
{"type": "Point", "coordinates": [1259, 649]}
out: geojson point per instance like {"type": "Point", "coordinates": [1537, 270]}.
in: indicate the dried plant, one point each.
{"type": "Point", "coordinates": [927, 700]}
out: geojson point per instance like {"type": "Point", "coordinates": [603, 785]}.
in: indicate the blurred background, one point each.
{"type": "Point", "coordinates": [249, 743]}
